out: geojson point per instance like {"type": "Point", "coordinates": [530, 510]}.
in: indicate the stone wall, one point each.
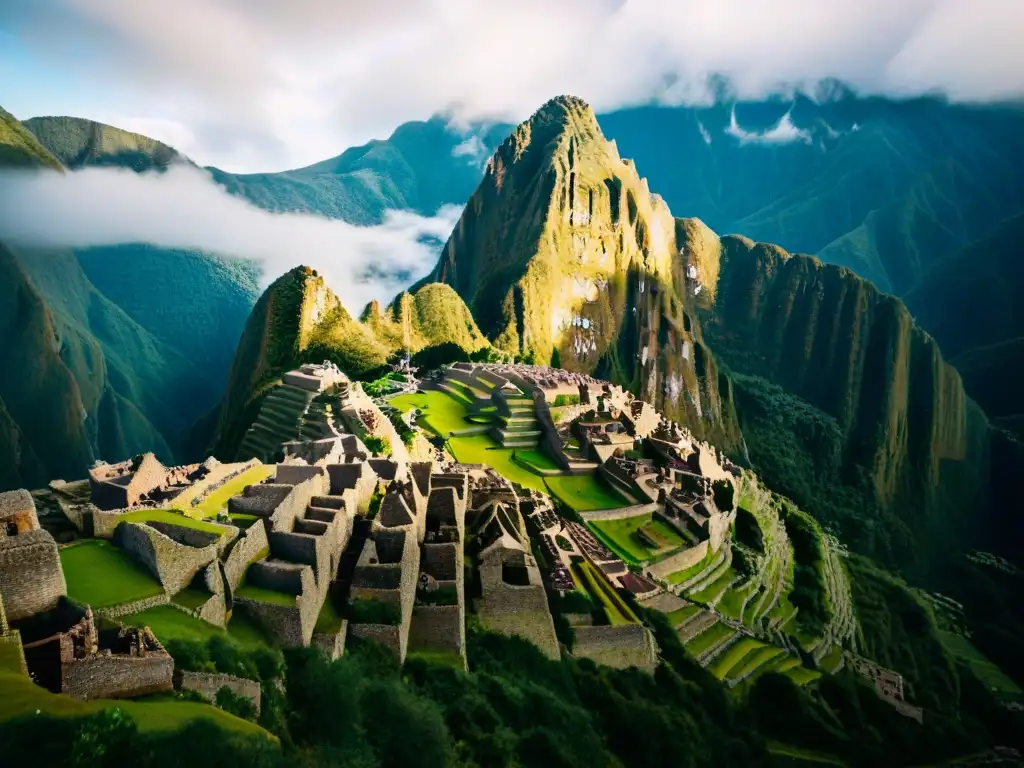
{"type": "Point", "coordinates": [173, 564]}
{"type": "Point", "coordinates": [295, 503]}
{"type": "Point", "coordinates": [620, 514]}
{"type": "Point", "coordinates": [294, 474]}
{"type": "Point", "coordinates": [392, 638]}
{"type": "Point", "coordinates": [252, 544]}
{"type": "Point", "coordinates": [18, 510]}
{"type": "Point", "coordinates": [116, 611]}
{"type": "Point", "coordinates": [332, 644]}
{"type": "Point", "coordinates": [437, 627]}
{"type": "Point", "coordinates": [214, 611]}
{"type": "Point", "coordinates": [31, 577]}
{"type": "Point", "coordinates": [620, 646]}
{"type": "Point", "coordinates": [208, 684]}
{"type": "Point", "coordinates": [679, 561]}
{"type": "Point", "coordinates": [103, 676]}
{"type": "Point", "coordinates": [356, 477]}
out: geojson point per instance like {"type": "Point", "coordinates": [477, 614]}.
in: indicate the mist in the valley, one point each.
{"type": "Point", "coordinates": [184, 208]}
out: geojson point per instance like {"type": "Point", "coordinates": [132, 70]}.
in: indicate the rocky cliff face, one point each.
{"type": "Point", "coordinates": [831, 338]}
{"type": "Point", "coordinates": [563, 254]}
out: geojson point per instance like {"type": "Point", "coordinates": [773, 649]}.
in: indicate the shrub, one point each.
{"type": "Point", "coordinates": [563, 400]}
{"type": "Point", "coordinates": [563, 543]}
{"type": "Point", "coordinates": [379, 446]}
{"type": "Point", "coordinates": [235, 703]}
{"type": "Point", "coordinates": [371, 611]}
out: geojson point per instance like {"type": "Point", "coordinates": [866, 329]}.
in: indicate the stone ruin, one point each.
{"type": "Point", "coordinates": [31, 577]}
{"type": "Point", "coordinates": [67, 653]}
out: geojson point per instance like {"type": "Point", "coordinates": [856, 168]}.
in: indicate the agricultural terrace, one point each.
{"type": "Point", "coordinates": [603, 593]}
{"type": "Point", "coordinates": [440, 412]}
{"type": "Point", "coordinates": [101, 575]}
{"type": "Point", "coordinates": [22, 697]}
{"type": "Point", "coordinates": [632, 536]}
{"type": "Point", "coordinates": [993, 677]}
{"type": "Point", "coordinates": [262, 595]}
{"type": "Point", "coordinates": [169, 623]}
{"type": "Point", "coordinates": [217, 501]}
{"type": "Point", "coordinates": [171, 517]}
{"type": "Point", "coordinates": [482, 449]}
{"type": "Point", "coordinates": [584, 493]}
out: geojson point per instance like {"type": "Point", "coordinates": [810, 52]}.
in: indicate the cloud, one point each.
{"type": "Point", "coordinates": [472, 148]}
{"type": "Point", "coordinates": [184, 208]}
{"type": "Point", "coordinates": [783, 132]}
{"type": "Point", "coordinates": [264, 85]}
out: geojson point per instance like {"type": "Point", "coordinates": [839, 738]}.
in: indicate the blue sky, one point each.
{"type": "Point", "coordinates": [253, 85]}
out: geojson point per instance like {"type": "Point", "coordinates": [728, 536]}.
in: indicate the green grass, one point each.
{"type": "Point", "coordinates": [680, 615]}
{"type": "Point", "coordinates": [101, 575]}
{"type": "Point", "coordinates": [802, 675]}
{"type": "Point", "coordinates": [721, 666]}
{"type": "Point", "coordinates": [329, 620]}
{"type": "Point", "coordinates": [441, 413]}
{"type": "Point", "coordinates": [261, 595]}
{"type": "Point", "coordinates": [715, 588]}
{"type": "Point", "coordinates": [709, 638]}
{"type": "Point", "coordinates": [218, 500]}
{"type": "Point", "coordinates": [756, 660]}
{"type": "Point", "coordinates": [963, 649]}
{"type": "Point", "coordinates": [242, 520]}
{"type": "Point", "coordinates": [171, 518]}
{"type": "Point", "coordinates": [482, 449]}
{"type": "Point", "coordinates": [537, 460]}
{"type": "Point", "coordinates": [442, 658]}
{"type": "Point", "coordinates": [190, 598]}
{"type": "Point", "coordinates": [599, 588]}
{"type": "Point", "coordinates": [585, 492]}
{"type": "Point", "coordinates": [23, 697]}
{"type": "Point", "coordinates": [731, 603]}
{"type": "Point", "coordinates": [169, 623]}
{"type": "Point", "coordinates": [620, 533]}
{"type": "Point", "coordinates": [10, 657]}
{"type": "Point", "coordinates": [688, 573]}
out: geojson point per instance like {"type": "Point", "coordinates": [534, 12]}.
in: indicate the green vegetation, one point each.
{"type": "Point", "coordinates": [988, 673]}
{"type": "Point", "coordinates": [100, 575]}
{"type": "Point", "coordinates": [378, 446]}
{"type": "Point", "coordinates": [709, 638]}
{"type": "Point", "coordinates": [584, 493]}
{"type": "Point", "coordinates": [328, 622]}
{"type": "Point", "coordinates": [19, 148]}
{"type": "Point", "coordinates": [733, 655]}
{"type": "Point", "coordinates": [10, 657]}
{"type": "Point", "coordinates": [23, 698]}
{"type": "Point", "coordinates": [615, 608]}
{"type": "Point", "coordinates": [190, 598]}
{"type": "Point", "coordinates": [680, 615]}
{"type": "Point", "coordinates": [442, 596]}
{"type": "Point", "coordinates": [686, 574]}
{"type": "Point", "coordinates": [536, 459]}
{"type": "Point", "coordinates": [808, 592]}
{"type": "Point", "coordinates": [440, 413]}
{"type": "Point", "coordinates": [370, 611]}
{"type": "Point", "coordinates": [482, 449]}
{"type": "Point", "coordinates": [633, 536]}
{"type": "Point", "coordinates": [169, 624]}
{"type": "Point", "coordinates": [564, 400]}
{"type": "Point", "coordinates": [217, 501]}
{"type": "Point", "coordinates": [171, 517]}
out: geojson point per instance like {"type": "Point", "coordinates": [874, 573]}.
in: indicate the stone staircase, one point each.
{"type": "Point", "coordinates": [519, 428]}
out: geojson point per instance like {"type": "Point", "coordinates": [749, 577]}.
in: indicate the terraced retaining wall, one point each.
{"type": "Point", "coordinates": [173, 564]}
{"type": "Point", "coordinates": [208, 684]}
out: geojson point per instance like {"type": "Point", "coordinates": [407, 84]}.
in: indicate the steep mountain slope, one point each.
{"type": "Point", "coordinates": [970, 301]}
{"type": "Point", "coordinates": [420, 167]}
{"type": "Point", "coordinates": [562, 253]}
{"type": "Point", "coordinates": [19, 148]}
{"type": "Point", "coordinates": [78, 143]}
{"type": "Point", "coordinates": [913, 446]}
{"type": "Point", "coordinates": [299, 319]}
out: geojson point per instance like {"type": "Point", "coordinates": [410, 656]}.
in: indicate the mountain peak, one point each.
{"type": "Point", "coordinates": [78, 142]}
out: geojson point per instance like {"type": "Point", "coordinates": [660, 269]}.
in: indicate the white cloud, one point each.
{"type": "Point", "coordinates": [783, 132]}
{"type": "Point", "coordinates": [265, 85]}
{"type": "Point", "coordinates": [185, 208]}
{"type": "Point", "coordinates": [472, 148]}
{"type": "Point", "coordinates": [704, 134]}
